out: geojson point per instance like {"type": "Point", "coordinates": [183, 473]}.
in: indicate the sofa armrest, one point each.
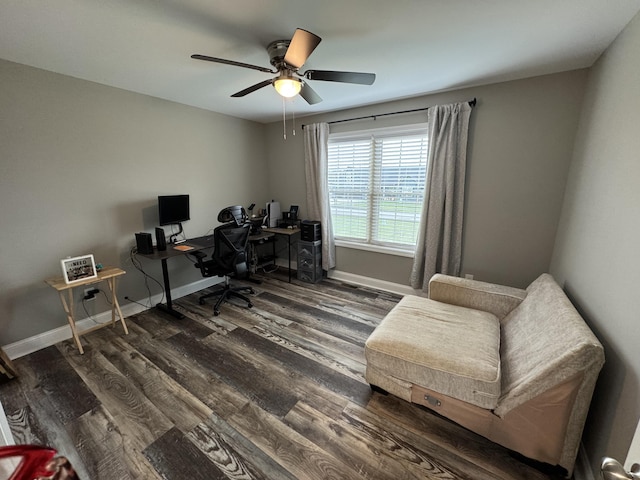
{"type": "Point", "coordinates": [488, 297]}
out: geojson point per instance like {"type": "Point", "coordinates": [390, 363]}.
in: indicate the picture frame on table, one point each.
{"type": "Point", "coordinates": [77, 269]}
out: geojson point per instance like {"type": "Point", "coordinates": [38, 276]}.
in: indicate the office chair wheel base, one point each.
{"type": "Point", "coordinates": [216, 313]}
{"type": "Point", "coordinates": [250, 305]}
{"type": "Point", "coordinates": [252, 291]}
{"type": "Point", "coordinates": [201, 301]}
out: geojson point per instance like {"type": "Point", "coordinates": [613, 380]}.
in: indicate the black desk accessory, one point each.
{"type": "Point", "coordinates": [310, 231]}
{"type": "Point", "coordinates": [144, 243]}
{"type": "Point", "coordinates": [161, 240]}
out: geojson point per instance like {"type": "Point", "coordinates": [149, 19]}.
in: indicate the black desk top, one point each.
{"type": "Point", "coordinates": [192, 245]}
{"type": "Point", "coordinates": [175, 249]}
{"type": "Point", "coordinates": [206, 241]}
{"type": "Point", "coordinates": [260, 236]}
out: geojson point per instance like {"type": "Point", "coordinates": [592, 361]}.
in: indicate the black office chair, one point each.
{"type": "Point", "coordinates": [229, 257]}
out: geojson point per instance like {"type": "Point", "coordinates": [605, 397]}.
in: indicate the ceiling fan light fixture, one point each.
{"type": "Point", "coordinates": [287, 87]}
{"type": "Point", "coordinates": [287, 57]}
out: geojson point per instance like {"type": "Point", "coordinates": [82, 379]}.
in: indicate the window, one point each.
{"type": "Point", "coordinates": [376, 186]}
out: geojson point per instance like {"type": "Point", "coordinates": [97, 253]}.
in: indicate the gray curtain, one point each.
{"type": "Point", "coordinates": [316, 140]}
{"type": "Point", "coordinates": [439, 245]}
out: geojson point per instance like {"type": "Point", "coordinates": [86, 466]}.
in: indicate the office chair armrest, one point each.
{"type": "Point", "coordinates": [200, 256]}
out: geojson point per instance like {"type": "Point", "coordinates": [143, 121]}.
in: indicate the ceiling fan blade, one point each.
{"type": "Point", "coordinates": [231, 62]}
{"type": "Point", "coordinates": [309, 94]}
{"type": "Point", "coordinates": [302, 45]}
{"type": "Point", "coordinates": [253, 88]}
{"type": "Point", "coordinates": [343, 77]}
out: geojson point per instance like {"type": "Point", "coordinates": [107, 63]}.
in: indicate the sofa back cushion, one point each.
{"type": "Point", "coordinates": [544, 341]}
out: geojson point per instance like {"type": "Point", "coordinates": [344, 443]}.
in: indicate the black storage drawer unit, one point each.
{"type": "Point", "coordinates": [310, 231]}
{"type": "Point", "coordinates": [310, 261]}
{"type": "Point", "coordinates": [310, 248]}
{"type": "Point", "coordinates": [311, 275]}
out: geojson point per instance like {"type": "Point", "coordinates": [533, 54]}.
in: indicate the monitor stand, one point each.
{"type": "Point", "coordinates": [174, 236]}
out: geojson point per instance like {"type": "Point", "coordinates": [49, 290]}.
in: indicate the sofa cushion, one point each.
{"type": "Point", "coordinates": [447, 348]}
{"type": "Point", "coordinates": [544, 342]}
{"type": "Point", "coordinates": [489, 297]}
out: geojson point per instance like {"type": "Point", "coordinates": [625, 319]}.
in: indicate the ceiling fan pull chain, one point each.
{"type": "Point", "coordinates": [284, 120]}
{"type": "Point", "coordinates": [293, 120]}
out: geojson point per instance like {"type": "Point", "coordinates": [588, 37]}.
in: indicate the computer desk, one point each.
{"type": "Point", "coordinates": [288, 232]}
{"type": "Point", "coordinates": [196, 244]}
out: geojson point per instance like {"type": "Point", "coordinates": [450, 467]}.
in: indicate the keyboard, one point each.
{"type": "Point", "coordinates": [205, 241]}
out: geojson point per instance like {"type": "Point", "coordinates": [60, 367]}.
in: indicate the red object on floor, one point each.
{"type": "Point", "coordinates": [34, 461]}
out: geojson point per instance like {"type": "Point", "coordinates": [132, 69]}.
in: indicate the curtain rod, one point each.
{"type": "Point", "coordinates": [472, 103]}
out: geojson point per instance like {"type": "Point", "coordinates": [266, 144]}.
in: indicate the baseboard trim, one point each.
{"type": "Point", "coordinates": [46, 339]}
{"type": "Point", "coordinates": [373, 283]}
{"type": "Point", "coordinates": [361, 280]}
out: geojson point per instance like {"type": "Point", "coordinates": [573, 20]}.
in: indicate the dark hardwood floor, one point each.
{"type": "Point", "coordinates": [272, 392]}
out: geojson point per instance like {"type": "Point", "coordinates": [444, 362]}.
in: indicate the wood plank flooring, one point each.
{"type": "Point", "coordinates": [272, 392]}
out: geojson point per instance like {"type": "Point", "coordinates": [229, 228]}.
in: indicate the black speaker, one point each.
{"type": "Point", "coordinates": [161, 240]}
{"type": "Point", "coordinates": [144, 243]}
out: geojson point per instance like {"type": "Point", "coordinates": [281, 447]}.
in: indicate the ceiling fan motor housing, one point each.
{"type": "Point", "coordinates": [277, 50]}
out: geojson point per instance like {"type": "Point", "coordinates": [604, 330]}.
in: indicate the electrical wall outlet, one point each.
{"type": "Point", "coordinates": [468, 276]}
{"type": "Point", "coordinates": [90, 293]}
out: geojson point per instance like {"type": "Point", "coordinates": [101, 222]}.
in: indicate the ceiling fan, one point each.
{"type": "Point", "coordinates": [287, 57]}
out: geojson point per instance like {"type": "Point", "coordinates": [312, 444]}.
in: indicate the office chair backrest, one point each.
{"type": "Point", "coordinates": [235, 213]}
{"type": "Point", "coordinates": [230, 252]}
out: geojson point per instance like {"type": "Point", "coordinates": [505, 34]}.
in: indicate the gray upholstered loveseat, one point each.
{"type": "Point", "coordinates": [516, 366]}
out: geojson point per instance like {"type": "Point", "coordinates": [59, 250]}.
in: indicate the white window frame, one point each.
{"type": "Point", "coordinates": [370, 245]}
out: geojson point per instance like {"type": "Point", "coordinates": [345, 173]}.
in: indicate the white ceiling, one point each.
{"type": "Point", "coordinates": [414, 46]}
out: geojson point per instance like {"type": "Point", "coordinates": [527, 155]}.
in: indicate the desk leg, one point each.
{"type": "Point", "coordinates": [68, 308]}
{"type": "Point", "coordinates": [289, 237]}
{"type": "Point", "coordinates": [252, 252]}
{"type": "Point", "coordinates": [168, 308]}
{"type": "Point", "coordinates": [115, 306]}
{"type": "Point", "coordinates": [273, 252]}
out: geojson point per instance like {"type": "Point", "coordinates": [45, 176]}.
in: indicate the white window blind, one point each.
{"type": "Point", "coordinates": [376, 185]}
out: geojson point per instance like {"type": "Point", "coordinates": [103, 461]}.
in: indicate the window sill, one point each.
{"type": "Point", "coordinates": [376, 248]}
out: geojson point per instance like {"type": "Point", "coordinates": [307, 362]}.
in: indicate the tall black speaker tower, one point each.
{"type": "Point", "coordinates": [161, 240]}
{"type": "Point", "coordinates": [144, 244]}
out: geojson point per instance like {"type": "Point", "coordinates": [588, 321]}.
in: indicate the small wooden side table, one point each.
{"type": "Point", "coordinates": [108, 274]}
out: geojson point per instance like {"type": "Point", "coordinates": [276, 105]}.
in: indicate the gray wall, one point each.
{"type": "Point", "coordinates": [520, 146]}
{"type": "Point", "coordinates": [596, 256]}
{"type": "Point", "coordinates": [81, 166]}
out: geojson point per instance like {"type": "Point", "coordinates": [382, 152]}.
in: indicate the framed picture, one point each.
{"type": "Point", "coordinates": [78, 268]}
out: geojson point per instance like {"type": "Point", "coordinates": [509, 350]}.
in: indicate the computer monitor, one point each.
{"type": "Point", "coordinates": [173, 209]}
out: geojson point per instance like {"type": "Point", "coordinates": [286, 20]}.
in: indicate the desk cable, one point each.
{"type": "Point", "coordinates": [89, 316]}
{"type": "Point", "coordinates": [138, 266]}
